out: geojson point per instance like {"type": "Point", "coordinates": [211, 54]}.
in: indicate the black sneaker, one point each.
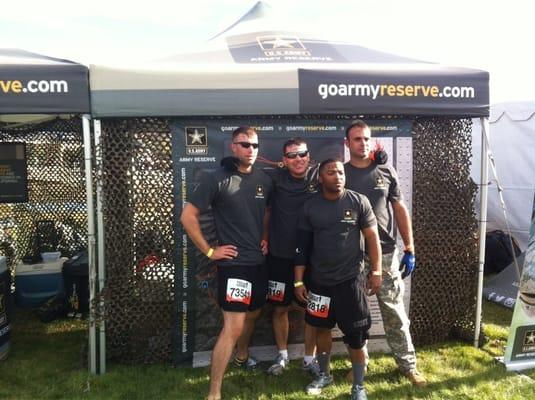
{"type": "Point", "coordinates": [248, 364]}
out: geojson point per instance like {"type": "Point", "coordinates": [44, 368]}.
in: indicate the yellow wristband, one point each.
{"type": "Point", "coordinates": [210, 252]}
{"type": "Point", "coordinates": [298, 283]}
{"type": "Point", "coordinates": [377, 273]}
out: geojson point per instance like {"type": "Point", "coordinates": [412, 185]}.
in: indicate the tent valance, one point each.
{"type": "Point", "coordinates": [34, 84]}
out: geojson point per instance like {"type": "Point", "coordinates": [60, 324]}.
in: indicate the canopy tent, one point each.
{"type": "Point", "coordinates": [35, 88]}
{"type": "Point", "coordinates": [252, 68]}
{"type": "Point", "coordinates": [512, 144]}
{"type": "Point", "coordinates": [35, 84]}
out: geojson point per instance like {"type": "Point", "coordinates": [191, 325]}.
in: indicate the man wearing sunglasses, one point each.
{"type": "Point", "coordinates": [295, 183]}
{"type": "Point", "coordinates": [380, 184]}
{"type": "Point", "coordinates": [239, 201]}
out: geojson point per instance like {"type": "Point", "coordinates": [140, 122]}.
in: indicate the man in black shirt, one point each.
{"type": "Point", "coordinates": [330, 229]}
{"type": "Point", "coordinates": [293, 185]}
{"type": "Point", "coordinates": [238, 200]}
{"type": "Point", "coordinates": [379, 183]}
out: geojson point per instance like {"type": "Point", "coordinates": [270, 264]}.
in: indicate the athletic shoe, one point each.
{"type": "Point", "coordinates": [318, 384]}
{"type": "Point", "coordinates": [358, 393]}
{"type": "Point", "coordinates": [248, 364]}
{"type": "Point", "coordinates": [278, 366]}
{"type": "Point", "coordinates": [313, 368]}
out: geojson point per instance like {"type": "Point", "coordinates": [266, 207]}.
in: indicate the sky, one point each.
{"type": "Point", "coordinates": [493, 36]}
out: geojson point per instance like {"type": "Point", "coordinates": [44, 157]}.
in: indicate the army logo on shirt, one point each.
{"type": "Point", "coordinates": [379, 183]}
{"type": "Point", "coordinates": [312, 188]}
{"type": "Point", "coordinates": [259, 192]}
{"type": "Point", "coordinates": [349, 217]}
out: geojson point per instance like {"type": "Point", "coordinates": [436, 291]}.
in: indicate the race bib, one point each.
{"type": "Point", "coordinates": [276, 290]}
{"type": "Point", "coordinates": [239, 291]}
{"type": "Point", "coordinates": [318, 306]}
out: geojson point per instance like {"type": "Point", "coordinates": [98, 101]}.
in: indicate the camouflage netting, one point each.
{"type": "Point", "coordinates": [56, 192]}
{"type": "Point", "coordinates": [444, 286]}
{"type": "Point", "coordinates": [136, 173]}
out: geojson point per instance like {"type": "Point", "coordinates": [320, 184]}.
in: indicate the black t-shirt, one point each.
{"type": "Point", "coordinates": [286, 202]}
{"type": "Point", "coordinates": [238, 203]}
{"type": "Point", "coordinates": [379, 183]}
{"type": "Point", "coordinates": [336, 225]}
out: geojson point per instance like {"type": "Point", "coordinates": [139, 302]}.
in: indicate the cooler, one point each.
{"type": "Point", "coordinates": [5, 291]}
{"type": "Point", "coordinates": [36, 283]}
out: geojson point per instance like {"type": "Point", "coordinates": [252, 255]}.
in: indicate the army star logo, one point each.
{"type": "Point", "coordinates": [348, 214]}
{"type": "Point", "coordinates": [529, 338]}
{"type": "Point", "coordinates": [274, 42]}
{"type": "Point", "coordinates": [196, 140]}
{"type": "Point", "coordinates": [259, 191]}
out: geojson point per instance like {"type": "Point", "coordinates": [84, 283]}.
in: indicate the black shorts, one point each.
{"type": "Point", "coordinates": [344, 304]}
{"type": "Point", "coordinates": [241, 288]}
{"type": "Point", "coordinates": [280, 280]}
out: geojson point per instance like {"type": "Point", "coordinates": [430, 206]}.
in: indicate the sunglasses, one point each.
{"type": "Point", "coordinates": [246, 145]}
{"type": "Point", "coordinates": [294, 154]}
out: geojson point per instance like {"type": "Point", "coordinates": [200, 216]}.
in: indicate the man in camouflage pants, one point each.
{"type": "Point", "coordinates": [380, 184]}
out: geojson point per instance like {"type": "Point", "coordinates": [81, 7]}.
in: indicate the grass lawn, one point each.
{"type": "Point", "coordinates": [46, 362]}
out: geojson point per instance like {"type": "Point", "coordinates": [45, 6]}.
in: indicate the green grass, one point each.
{"type": "Point", "coordinates": [46, 362]}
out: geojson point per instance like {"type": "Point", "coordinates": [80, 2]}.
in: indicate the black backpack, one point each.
{"type": "Point", "coordinates": [498, 251]}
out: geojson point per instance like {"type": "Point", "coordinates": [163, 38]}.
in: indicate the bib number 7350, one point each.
{"type": "Point", "coordinates": [317, 305]}
{"type": "Point", "coordinates": [239, 291]}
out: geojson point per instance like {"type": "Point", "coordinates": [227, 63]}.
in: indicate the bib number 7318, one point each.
{"type": "Point", "coordinates": [239, 291]}
{"type": "Point", "coordinates": [317, 305]}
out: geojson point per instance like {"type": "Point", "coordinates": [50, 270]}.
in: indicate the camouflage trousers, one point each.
{"type": "Point", "coordinates": [395, 320]}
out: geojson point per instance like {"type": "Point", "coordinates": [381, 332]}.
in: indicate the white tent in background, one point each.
{"type": "Point", "coordinates": [512, 143]}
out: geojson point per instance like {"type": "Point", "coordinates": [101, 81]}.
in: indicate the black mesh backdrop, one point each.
{"type": "Point", "coordinates": [136, 175]}
{"type": "Point", "coordinates": [443, 298]}
{"type": "Point", "coordinates": [56, 191]}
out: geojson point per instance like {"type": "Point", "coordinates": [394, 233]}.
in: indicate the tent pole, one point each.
{"type": "Point", "coordinates": [90, 242]}
{"type": "Point", "coordinates": [101, 258]}
{"type": "Point", "coordinates": [483, 194]}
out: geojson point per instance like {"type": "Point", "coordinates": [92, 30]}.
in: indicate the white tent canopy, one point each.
{"type": "Point", "coordinates": [512, 143]}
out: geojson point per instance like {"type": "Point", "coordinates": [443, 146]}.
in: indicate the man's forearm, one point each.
{"type": "Point", "coordinates": [403, 221]}
{"type": "Point", "coordinates": [299, 273]}
{"type": "Point", "coordinates": [193, 229]}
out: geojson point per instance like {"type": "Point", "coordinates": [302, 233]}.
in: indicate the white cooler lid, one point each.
{"type": "Point", "coordinates": [40, 268]}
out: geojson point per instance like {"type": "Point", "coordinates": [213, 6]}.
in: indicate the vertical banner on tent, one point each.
{"type": "Point", "coordinates": [198, 146]}
{"type": "Point", "coordinates": [520, 351]}
{"type": "Point", "coordinates": [13, 173]}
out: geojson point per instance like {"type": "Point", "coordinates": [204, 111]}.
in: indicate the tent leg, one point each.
{"type": "Point", "coordinates": [90, 243]}
{"type": "Point", "coordinates": [101, 258]}
{"type": "Point", "coordinates": [483, 194]}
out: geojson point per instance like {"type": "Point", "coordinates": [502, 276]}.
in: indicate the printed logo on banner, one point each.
{"type": "Point", "coordinates": [279, 45]}
{"type": "Point", "coordinates": [529, 340]}
{"type": "Point", "coordinates": [196, 140]}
